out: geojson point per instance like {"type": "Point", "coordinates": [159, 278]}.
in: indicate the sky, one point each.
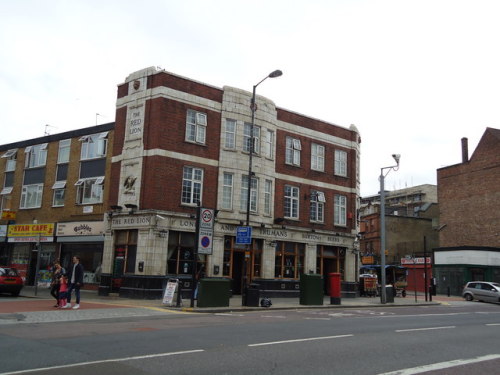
{"type": "Point", "coordinates": [415, 77]}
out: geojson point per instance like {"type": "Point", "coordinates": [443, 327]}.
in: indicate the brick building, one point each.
{"type": "Point", "coordinates": [469, 196]}
{"type": "Point", "coordinates": [179, 142]}
{"type": "Point", "coordinates": [54, 190]}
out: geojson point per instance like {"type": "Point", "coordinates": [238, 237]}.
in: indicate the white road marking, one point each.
{"type": "Point", "coordinates": [412, 316]}
{"type": "Point", "coordinates": [421, 329]}
{"type": "Point", "coordinates": [102, 361]}
{"type": "Point", "coordinates": [493, 324]}
{"type": "Point", "coordinates": [317, 318]}
{"type": "Point", "coordinates": [442, 365]}
{"type": "Point", "coordinates": [222, 314]}
{"type": "Point", "coordinates": [273, 316]}
{"type": "Point", "coordinates": [298, 340]}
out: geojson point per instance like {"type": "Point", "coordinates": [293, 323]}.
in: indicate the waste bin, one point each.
{"type": "Point", "coordinates": [389, 293]}
{"type": "Point", "coordinates": [252, 295]}
{"type": "Point", "coordinates": [311, 289]}
{"type": "Point", "coordinates": [214, 292]}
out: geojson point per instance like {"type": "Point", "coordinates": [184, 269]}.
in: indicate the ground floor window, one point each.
{"type": "Point", "coordinates": [289, 260]}
{"type": "Point", "coordinates": [90, 258]}
{"type": "Point", "coordinates": [234, 255]}
{"type": "Point", "coordinates": [125, 252]}
{"type": "Point", "coordinates": [181, 254]}
{"type": "Point", "coordinates": [330, 259]}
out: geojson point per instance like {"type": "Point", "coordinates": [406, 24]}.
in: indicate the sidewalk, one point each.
{"type": "Point", "coordinates": [91, 300]}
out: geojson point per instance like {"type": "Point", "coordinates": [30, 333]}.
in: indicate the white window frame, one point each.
{"type": "Point", "coordinates": [227, 191]}
{"type": "Point", "coordinates": [230, 134]}
{"type": "Point", "coordinates": [292, 151]}
{"type": "Point", "coordinates": [59, 194]}
{"type": "Point", "coordinates": [6, 190]}
{"type": "Point", "coordinates": [36, 156]}
{"type": "Point", "coordinates": [192, 185]}
{"type": "Point", "coordinates": [291, 206]}
{"type": "Point", "coordinates": [254, 194]}
{"type": "Point", "coordinates": [317, 206]}
{"type": "Point", "coordinates": [268, 145]}
{"type": "Point", "coordinates": [318, 157]}
{"type": "Point", "coordinates": [11, 156]}
{"type": "Point", "coordinates": [196, 126]}
{"type": "Point", "coordinates": [246, 138]}
{"type": "Point", "coordinates": [268, 197]}
{"type": "Point", "coordinates": [340, 210]}
{"type": "Point", "coordinates": [340, 163]}
{"type": "Point", "coordinates": [31, 196]}
{"type": "Point", "coordinates": [64, 151]}
{"type": "Point", "coordinates": [94, 146]}
{"type": "Point", "coordinates": [90, 190]}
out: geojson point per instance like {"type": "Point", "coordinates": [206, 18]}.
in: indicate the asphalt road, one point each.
{"type": "Point", "coordinates": [384, 340]}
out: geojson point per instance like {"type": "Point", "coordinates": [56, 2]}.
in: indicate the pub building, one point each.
{"type": "Point", "coordinates": [179, 145]}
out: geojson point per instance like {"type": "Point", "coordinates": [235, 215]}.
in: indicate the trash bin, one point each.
{"type": "Point", "coordinates": [389, 293]}
{"type": "Point", "coordinates": [214, 292]}
{"type": "Point", "coordinates": [311, 289]}
{"type": "Point", "coordinates": [252, 295]}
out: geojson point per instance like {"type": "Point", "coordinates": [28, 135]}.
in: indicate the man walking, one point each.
{"type": "Point", "coordinates": [75, 277]}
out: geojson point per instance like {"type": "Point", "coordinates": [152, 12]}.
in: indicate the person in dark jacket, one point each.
{"type": "Point", "coordinates": [57, 272]}
{"type": "Point", "coordinates": [75, 279]}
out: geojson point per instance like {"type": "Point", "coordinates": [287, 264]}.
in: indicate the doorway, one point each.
{"type": "Point", "coordinates": [238, 267]}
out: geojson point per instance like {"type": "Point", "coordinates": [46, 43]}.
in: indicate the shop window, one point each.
{"type": "Point", "coordinates": [330, 259]}
{"type": "Point", "coordinates": [289, 260]}
{"type": "Point", "coordinates": [125, 252]}
{"type": "Point", "coordinates": [181, 254]}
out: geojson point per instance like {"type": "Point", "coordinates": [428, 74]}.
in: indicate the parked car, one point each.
{"type": "Point", "coordinates": [10, 281]}
{"type": "Point", "coordinates": [482, 291]}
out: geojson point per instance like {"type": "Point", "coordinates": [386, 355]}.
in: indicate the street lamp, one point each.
{"type": "Point", "coordinates": [253, 108]}
{"type": "Point", "coordinates": [383, 296]}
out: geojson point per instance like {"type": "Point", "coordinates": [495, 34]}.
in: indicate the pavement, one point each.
{"type": "Point", "coordinates": [37, 306]}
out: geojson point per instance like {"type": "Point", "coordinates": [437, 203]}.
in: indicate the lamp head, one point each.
{"type": "Point", "coordinates": [396, 157]}
{"type": "Point", "coordinates": [275, 74]}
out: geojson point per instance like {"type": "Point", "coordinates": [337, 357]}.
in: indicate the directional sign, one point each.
{"type": "Point", "coordinates": [244, 235]}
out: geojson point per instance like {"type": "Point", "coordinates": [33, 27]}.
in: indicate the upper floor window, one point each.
{"type": "Point", "coordinates": [196, 126]}
{"type": "Point", "coordinates": [192, 183]}
{"type": "Point", "coordinates": [36, 156]}
{"type": "Point", "coordinates": [268, 145]}
{"type": "Point", "coordinates": [90, 190]}
{"type": "Point", "coordinates": [247, 129]}
{"type": "Point", "coordinates": [317, 157]}
{"type": "Point", "coordinates": [227, 191]}
{"type": "Point", "coordinates": [31, 196]}
{"type": "Point", "coordinates": [340, 163]}
{"type": "Point", "coordinates": [11, 156]}
{"type": "Point", "coordinates": [63, 154]}
{"type": "Point", "coordinates": [94, 146]}
{"type": "Point", "coordinates": [253, 194]}
{"type": "Point", "coordinates": [230, 134]}
{"type": "Point", "coordinates": [317, 206]}
{"type": "Point", "coordinates": [59, 193]}
{"type": "Point", "coordinates": [293, 148]}
{"type": "Point", "coordinates": [268, 197]}
{"type": "Point", "coordinates": [291, 208]}
{"type": "Point", "coordinates": [340, 210]}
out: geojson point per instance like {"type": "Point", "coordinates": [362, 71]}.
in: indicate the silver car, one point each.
{"type": "Point", "coordinates": [482, 291]}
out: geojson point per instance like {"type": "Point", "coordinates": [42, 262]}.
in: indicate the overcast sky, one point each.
{"type": "Point", "coordinates": [413, 76]}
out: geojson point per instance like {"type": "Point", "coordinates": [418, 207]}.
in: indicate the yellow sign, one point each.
{"type": "Point", "coordinates": [27, 230]}
{"type": "Point", "coordinates": [8, 215]}
{"type": "Point", "coordinates": [367, 260]}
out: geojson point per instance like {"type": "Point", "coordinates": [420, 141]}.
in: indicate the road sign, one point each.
{"type": "Point", "coordinates": [244, 235]}
{"type": "Point", "coordinates": [206, 231]}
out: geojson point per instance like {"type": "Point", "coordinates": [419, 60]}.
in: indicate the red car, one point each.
{"type": "Point", "coordinates": [10, 281]}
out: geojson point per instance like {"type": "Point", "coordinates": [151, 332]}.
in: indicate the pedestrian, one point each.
{"type": "Point", "coordinates": [75, 277]}
{"type": "Point", "coordinates": [63, 291]}
{"type": "Point", "coordinates": [57, 272]}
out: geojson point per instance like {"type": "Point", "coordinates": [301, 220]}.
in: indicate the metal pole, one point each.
{"type": "Point", "coordinates": [383, 296]}
{"type": "Point", "coordinates": [37, 268]}
{"type": "Point", "coordinates": [425, 270]}
{"type": "Point", "coordinates": [195, 253]}
{"type": "Point", "coordinates": [415, 276]}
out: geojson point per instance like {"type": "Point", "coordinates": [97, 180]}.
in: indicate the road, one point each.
{"type": "Point", "coordinates": [381, 340]}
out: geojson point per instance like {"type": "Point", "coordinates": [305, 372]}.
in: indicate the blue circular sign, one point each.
{"type": "Point", "coordinates": [205, 241]}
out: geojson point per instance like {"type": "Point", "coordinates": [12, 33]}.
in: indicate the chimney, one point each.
{"type": "Point", "coordinates": [465, 150]}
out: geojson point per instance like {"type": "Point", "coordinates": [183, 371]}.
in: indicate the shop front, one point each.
{"type": "Point", "coordinates": [32, 249]}
{"type": "Point", "coordinates": [84, 239]}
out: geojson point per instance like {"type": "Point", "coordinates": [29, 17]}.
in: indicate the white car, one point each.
{"type": "Point", "coordinates": [482, 291]}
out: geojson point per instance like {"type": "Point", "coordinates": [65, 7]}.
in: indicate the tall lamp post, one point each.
{"type": "Point", "coordinates": [253, 108]}
{"type": "Point", "coordinates": [383, 295]}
